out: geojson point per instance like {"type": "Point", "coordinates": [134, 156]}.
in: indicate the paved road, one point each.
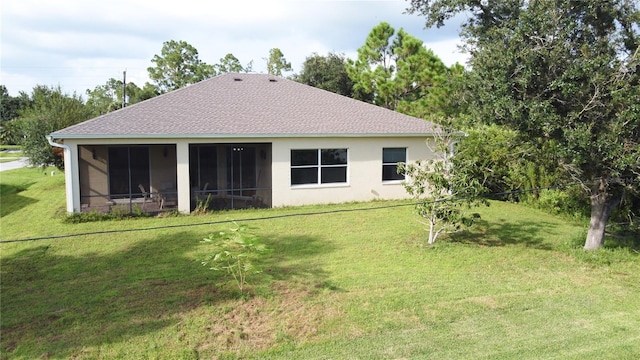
{"type": "Point", "coordinates": [14, 164]}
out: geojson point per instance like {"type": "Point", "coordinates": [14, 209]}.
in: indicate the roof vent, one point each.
{"type": "Point", "coordinates": [273, 80]}
{"type": "Point", "coordinates": [237, 79]}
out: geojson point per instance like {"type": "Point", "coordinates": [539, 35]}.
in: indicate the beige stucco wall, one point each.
{"type": "Point", "coordinates": [162, 159]}
{"type": "Point", "coordinates": [364, 174]}
{"type": "Point", "coordinates": [92, 166]}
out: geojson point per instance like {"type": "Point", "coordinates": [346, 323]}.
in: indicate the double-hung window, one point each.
{"type": "Point", "coordinates": [318, 166]}
{"type": "Point", "coordinates": [390, 159]}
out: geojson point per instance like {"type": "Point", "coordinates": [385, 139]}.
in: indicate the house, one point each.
{"type": "Point", "coordinates": [240, 140]}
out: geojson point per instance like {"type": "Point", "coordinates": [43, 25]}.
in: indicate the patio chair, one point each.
{"type": "Point", "coordinates": [168, 195]}
{"type": "Point", "coordinates": [146, 197]}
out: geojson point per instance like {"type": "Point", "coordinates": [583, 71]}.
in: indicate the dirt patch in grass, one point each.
{"type": "Point", "coordinates": [292, 315]}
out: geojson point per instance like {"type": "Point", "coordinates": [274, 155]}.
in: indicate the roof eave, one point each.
{"type": "Point", "coordinates": [235, 136]}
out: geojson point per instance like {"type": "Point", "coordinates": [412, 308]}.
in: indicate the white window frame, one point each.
{"type": "Point", "coordinates": [319, 166]}
{"type": "Point", "coordinates": [395, 164]}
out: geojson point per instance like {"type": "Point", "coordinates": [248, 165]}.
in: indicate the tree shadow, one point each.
{"type": "Point", "coordinates": [12, 200]}
{"type": "Point", "coordinates": [623, 239]}
{"type": "Point", "coordinates": [55, 305]}
{"type": "Point", "coordinates": [49, 297]}
{"type": "Point", "coordinates": [501, 233]}
{"type": "Point", "coordinates": [290, 258]}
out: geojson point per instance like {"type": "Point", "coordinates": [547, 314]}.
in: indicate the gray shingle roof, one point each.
{"type": "Point", "coordinates": [248, 105]}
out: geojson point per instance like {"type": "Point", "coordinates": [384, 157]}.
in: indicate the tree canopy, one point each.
{"type": "Point", "coordinates": [109, 97]}
{"type": "Point", "coordinates": [50, 110]}
{"type": "Point", "coordinates": [276, 62]}
{"type": "Point", "coordinates": [230, 64]}
{"type": "Point", "coordinates": [396, 71]}
{"type": "Point", "coordinates": [10, 108]}
{"type": "Point", "coordinates": [327, 73]}
{"type": "Point", "coordinates": [560, 72]}
{"type": "Point", "coordinates": [177, 66]}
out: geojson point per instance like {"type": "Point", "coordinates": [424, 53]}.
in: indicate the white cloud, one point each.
{"type": "Point", "coordinates": [80, 44]}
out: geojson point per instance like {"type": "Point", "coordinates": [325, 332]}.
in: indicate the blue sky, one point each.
{"type": "Point", "coordinates": [80, 44]}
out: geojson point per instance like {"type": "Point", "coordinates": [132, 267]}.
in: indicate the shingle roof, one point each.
{"type": "Point", "coordinates": [248, 105]}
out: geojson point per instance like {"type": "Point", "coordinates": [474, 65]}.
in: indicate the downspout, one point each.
{"type": "Point", "coordinates": [452, 148]}
{"type": "Point", "coordinates": [68, 173]}
{"type": "Point", "coordinates": [452, 152]}
{"type": "Point", "coordinates": [453, 143]}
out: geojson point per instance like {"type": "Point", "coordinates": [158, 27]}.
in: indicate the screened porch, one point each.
{"type": "Point", "coordinates": [143, 178]}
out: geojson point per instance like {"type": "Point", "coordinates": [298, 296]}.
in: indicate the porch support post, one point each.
{"type": "Point", "coordinates": [72, 178]}
{"type": "Point", "coordinates": [183, 187]}
{"type": "Point", "coordinates": [71, 171]}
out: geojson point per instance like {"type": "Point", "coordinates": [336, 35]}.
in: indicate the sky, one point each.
{"type": "Point", "coordinates": [80, 44]}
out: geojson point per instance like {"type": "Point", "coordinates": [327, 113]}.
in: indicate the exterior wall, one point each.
{"type": "Point", "coordinates": [364, 173]}
{"type": "Point", "coordinates": [92, 166]}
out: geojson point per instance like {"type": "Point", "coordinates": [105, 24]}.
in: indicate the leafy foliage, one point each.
{"type": "Point", "coordinates": [444, 189]}
{"type": "Point", "coordinates": [235, 252]}
{"type": "Point", "coordinates": [396, 71]}
{"type": "Point", "coordinates": [109, 97]}
{"type": "Point", "coordinates": [51, 110]}
{"type": "Point", "coordinates": [177, 66]}
{"type": "Point", "coordinates": [560, 72]}
{"type": "Point", "coordinates": [501, 162]}
{"type": "Point", "coordinates": [10, 107]}
{"type": "Point", "coordinates": [327, 73]}
{"type": "Point", "coordinates": [276, 62]}
{"type": "Point", "coordinates": [230, 64]}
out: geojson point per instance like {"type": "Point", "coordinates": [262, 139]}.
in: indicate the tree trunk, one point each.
{"type": "Point", "coordinates": [432, 232]}
{"type": "Point", "coordinates": [602, 203]}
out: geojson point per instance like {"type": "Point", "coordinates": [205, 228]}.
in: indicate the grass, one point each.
{"type": "Point", "coordinates": [358, 284]}
{"type": "Point", "coordinates": [10, 153]}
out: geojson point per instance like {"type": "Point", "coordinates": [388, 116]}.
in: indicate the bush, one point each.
{"type": "Point", "coordinates": [570, 201]}
{"type": "Point", "coordinates": [116, 213]}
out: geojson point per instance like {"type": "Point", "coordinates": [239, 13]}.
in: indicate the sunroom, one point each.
{"type": "Point", "coordinates": [143, 178]}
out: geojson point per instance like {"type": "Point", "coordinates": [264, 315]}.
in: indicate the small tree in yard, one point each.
{"type": "Point", "coordinates": [235, 253]}
{"type": "Point", "coordinates": [443, 189]}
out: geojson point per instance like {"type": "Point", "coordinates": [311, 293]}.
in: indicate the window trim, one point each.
{"type": "Point", "coordinates": [404, 176]}
{"type": "Point", "coordinates": [319, 166]}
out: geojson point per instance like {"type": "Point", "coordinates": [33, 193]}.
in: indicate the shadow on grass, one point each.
{"type": "Point", "coordinates": [56, 305]}
{"type": "Point", "coordinates": [500, 233]}
{"type": "Point", "coordinates": [12, 200]}
{"type": "Point", "coordinates": [290, 259]}
{"type": "Point", "coordinates": [629, 239]}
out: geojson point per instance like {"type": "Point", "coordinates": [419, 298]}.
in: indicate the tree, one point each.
{"type": "Point", "coordinates": [177, 66]}
{"type": "Point", "coordinates": [140, 94]}
{"type": "Point", "coordinates": [564, 72]}
{"type": "Point", "coordinates": [51, 110]}
{"type": "Point", "coordinates": [9, 109]}
{"type": "Point", "coordinates": [276, 62]}
{"type": "Point", "coordinates": [108, 97]}
{"type": "Point", "coordinates": [396, 71]}
{"type": "Point", "coordinates": [444, 189]}
{"type": "Point", "coordinates": [105, 98]}
{"type": "Point", "coordinates": [231, 64]}
{"type": "Point", "coordinates": [327, 73]}
{"type": "Point", "coordinates": [235, 252]}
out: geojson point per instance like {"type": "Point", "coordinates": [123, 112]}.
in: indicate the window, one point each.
{"type": "Point", "coordinates": [318, 166]}
{"type": "Point", "coordinates": [390, 159]}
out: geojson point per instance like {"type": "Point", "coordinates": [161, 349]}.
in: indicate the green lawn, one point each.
{"type": "Point", "coordinates": [353, 284]}
{"type": "Point", "coordinates": [9, 153]}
